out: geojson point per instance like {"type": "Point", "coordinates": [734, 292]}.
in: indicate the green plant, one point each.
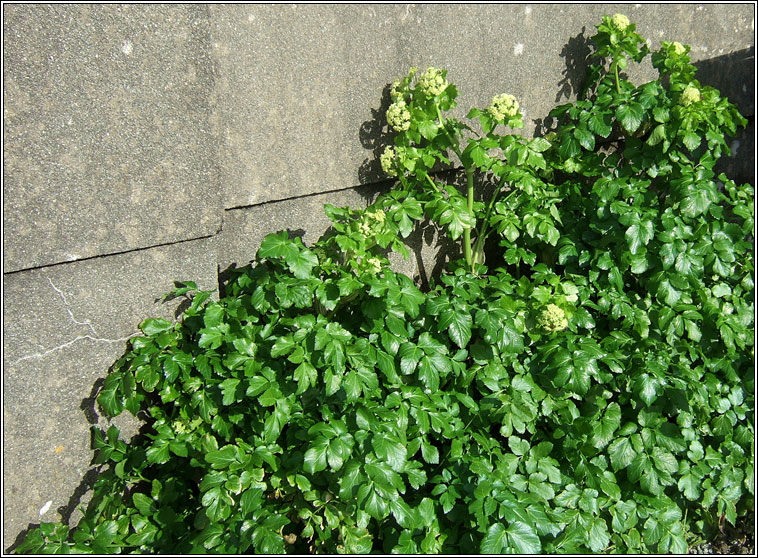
{"type": "Point", "coordinates": [589, 389]}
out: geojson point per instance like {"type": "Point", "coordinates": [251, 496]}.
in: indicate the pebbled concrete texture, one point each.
{"type": "Point", "coordinates": [145, 144]}
{"type": "Point", "coordinates": [108, 144]}
{"type": "Point", "coordinates": [302, 89]}
{"type": "Point", "coordinates": [64, 326]}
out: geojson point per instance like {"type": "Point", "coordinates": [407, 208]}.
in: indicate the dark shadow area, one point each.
{"type": "Point", "coordinates": [733, 75]}
{"type": "Point", "coordinates": [375, 135]}
{"type": "Point", "coordinates": [577, 55]}
{"type": "Point", "coordinates": [86, 484]}
{"type": "Point", "coordinates": [21, 537]}
{"type": "Point", "coordinates": [88, 403]}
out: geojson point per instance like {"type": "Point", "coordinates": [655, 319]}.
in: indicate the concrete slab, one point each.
{"type": "Point", "coordinates": [245, 228]}
{"type": "Point", "coordinates": [303, 89]}
{"type": "Point", "coordinates": [107, 140]}
{"type": "Point", "coordinates": [64, 326]}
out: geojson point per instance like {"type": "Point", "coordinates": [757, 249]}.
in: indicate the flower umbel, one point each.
{"type": "Point", "coordinates": [689, 95]}
{"type": "Point", "coordinates": [377, 215]}
{"type": "Point", "coordinates": [374, 265]}
{"type": "Point", "coordinates": [398, 116]}
{"type": "Point", "coordinates": [620, 21]}
{"type": "Point", "coordinates": [387, 159]}
{"type": "Point", "coordinates": [553, 318]}
{"type": "Point", "coordinates": [678, 47]}
{"type": "Point", "coordinates": [431, 82]}
{"type": "Point", "coordinates": [503, 106]}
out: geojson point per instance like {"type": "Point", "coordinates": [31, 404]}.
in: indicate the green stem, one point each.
{"type": "Point", "coordinates": [616, 69]}
{"type": "Point", "coordinates": [429, 178]}
{"type": "Point", "coordinates": [483, 230]}
{"type": "Point", "coordinates": [470, 208]}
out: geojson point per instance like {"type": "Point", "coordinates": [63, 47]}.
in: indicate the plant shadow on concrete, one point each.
{"type": "Point", "coordinates": [559, 381]}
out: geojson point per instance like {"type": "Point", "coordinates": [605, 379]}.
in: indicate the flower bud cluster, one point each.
{"type": "Point", "coordinates": [377, 215]}
{"type": "Point", "coordinates": [374, 265]}
{"type": "Point", "coordinates": [502, 107]}
{"type": "Point", "coordinates": [620, 21]}
{"type": "Point", "coordinates": [372, 220]}
{"type": "Point", "coordinates": [553, 318]}
{"type": "Point", "coordinates": [398, 116]}
{"type": "Point", "coordinates": [678, 47]}
{"type": "Point", "coordinates": [388, 159]}
{"type": "Point", "coordinates": [689, 95]}
{"type": "Point", "coordinates": [431, 82]}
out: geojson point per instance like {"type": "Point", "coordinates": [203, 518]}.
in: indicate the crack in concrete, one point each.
{"type": "Point", "coordinates": [71, 315]}
{"type": "Point", "coordinates": [94, 337]}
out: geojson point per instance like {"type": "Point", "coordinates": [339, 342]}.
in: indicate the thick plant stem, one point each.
{"type": "Point", "coordinates": [470, 207]}
{"type": "Point", "coordinates": [618, 86]}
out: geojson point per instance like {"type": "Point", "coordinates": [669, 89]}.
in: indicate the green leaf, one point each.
{"type": "Point", "coordinates": [691, 140]}
{"type": "Point", "coordinates": [144, 504]}
{"type": "Point", "coordinates": [222, 458]}
{"type": "Point", "coordinates": [305, 375]}
{"type": "Point", "coordinates": [153, 327]}
{"type": "Point", "coordinates": [458, 322]}
{"type": "Point", "coordinates": [630, 115]}
{"type": "Point", "coordinates": [622, 453]}
{"type": "Point", "coordinates": [585, 137]}
{"type": "Point", "coordinates": [600, 124]}
{"type": "Point", "coordinates": [315, 458]}
{"type": "Point", "coordinates": [428, 129]}
{"type": "Point", "coordinates": [495, 541]}
{"type": "Point", "coordinates": [604, 429]}
{"type": "Point", "coordinates": [638, 235]}
{"type": "Point", "coordinates": [390, 450]}
{"type": "Point", "coordinates": [657, 135]}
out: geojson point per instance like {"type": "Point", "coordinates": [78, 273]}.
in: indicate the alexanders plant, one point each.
{"type": "Point", "coordinates": [584, 386]}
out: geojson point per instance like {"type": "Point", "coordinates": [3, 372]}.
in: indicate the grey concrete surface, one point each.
{"type": "Point", "coordinates": [302, 89]}
{"type": "Point", "coordinates": [107, 144]}
{"type": "Point", "coordinates": [64, 326]}
{"type": "Point", "coordinates": [129, 128]}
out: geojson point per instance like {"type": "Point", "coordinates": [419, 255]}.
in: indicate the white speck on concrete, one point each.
{"type": "Point", "coordinates": [251, 17]}
{"type": "Point", "coordinates": [43, 510]}
{"type": "Point", "coordinates": [734, 147]}
{"type": "Point", "coordinates": [518, 49]}
{"type": "Point", "coordinates": [126, 48]}
{"type": "Point", "coordinates": [699, 9]}
{"type": "Point", "coordinates": [528, 10]}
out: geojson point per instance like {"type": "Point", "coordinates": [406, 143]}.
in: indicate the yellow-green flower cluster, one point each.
{"type": "Point", "coordinates": [398, 116]}
{"type": "Point", "coordinates": [502, 107]}
{"type": "Point", "coordinates": [678, 47]}
{"type": "Point", "coordinates": [620, 21]}
{"type": "Point", "coordinates": [395, 93]}
{"type": "Point", "coordinates": [689, 95]}
{"type": "Point", "coordinates": [431, 82]}
{"type": "Point", "coordinates": [364, 228]}
{"type": "Point", "coordinates": [387, 159]}
{"type": "Point", "coordinates": [553, 318]}
{"type": "Point", "coordinates": [371, 221]}
{"type": "Point", "coordinates": [374, 265]}
{"type": "Point", "coordinates": [377, 215]}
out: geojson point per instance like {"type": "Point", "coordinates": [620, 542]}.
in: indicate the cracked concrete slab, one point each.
{"type": "Point", "coordinates": [64, 327]}
{"type": "Point", "coordinates": [108, 143]}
